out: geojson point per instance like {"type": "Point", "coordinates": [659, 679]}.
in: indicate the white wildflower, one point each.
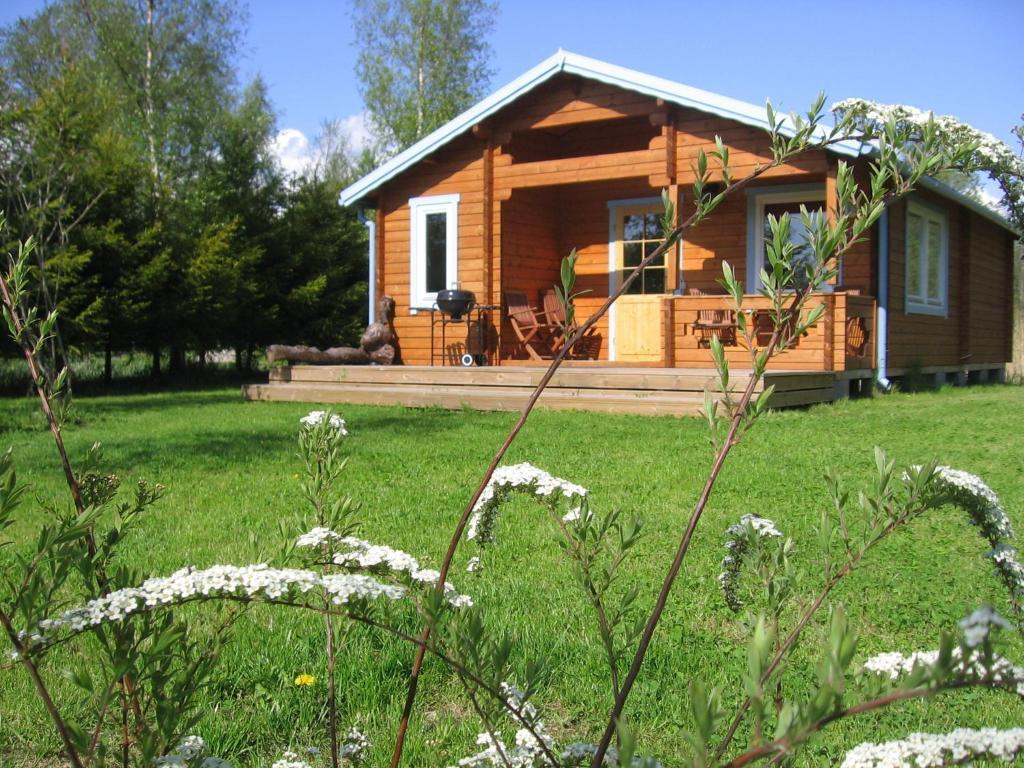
{"type": "Point", "coordinates": [895, 665]}
{"type": "Point", "coordinates": [982, 505]}
{"type": "Point", "coordinates": [927, 750]}
{"type": "Point", "coordinates": [290, 760]}
{"type": "Point", "coordinates": [317, 537]}
{"type": "Point", "coordinates": [738, 542]}
{"type": "Point", "coordinates": [250, 582]}
{"type": "Point", "coordinates": [316, 418]}
{"type": "Point", "coordinates": [355, 747]}
{"type": "Point", "coordinates": [978, 626]}
{"type": "Point", "coordinates": [188, 753]}
{"type": "Point", "coordinates": [377, 558]}
{"type": "Point", "coordinates": [473, 565]}
{"type": "Point", "coordinates": [522, 478]}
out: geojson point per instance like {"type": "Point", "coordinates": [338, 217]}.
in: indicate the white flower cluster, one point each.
{"type": "Point", "coordinates": [290, 760]}
{"type": "Point", "coordinates": [522, 478]}
{"type": "Point", "coordinates": [737, 544]}
{"type": "Point", "coordinates": [528, 751]}
{"type": "Point", "coordinates": [978, 626]}
{"type": "Point", "coordinates": [930, 750]}
{"type": "Point", "coordinates": [980, 502]}
{"type": "Point", "coordinates": [356, 747]}
{"type": "Point", "coordinates": [256, 582]}
{"type": "Point", "coordinates": [379, 558]}
{"type": "Point", "coordinates": [895, 665]}
{"type": "Point", "coordinates": [317, 537]}
{"type": "Point", "coordinates": [991, 154]}
{"type": "Point", "coordinates": [190, 753]}
{"type": "Point", "coordinates": [316, 418]}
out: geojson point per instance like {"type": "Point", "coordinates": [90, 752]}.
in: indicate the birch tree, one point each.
{"type": "Point", "coordinates": [421, 62]}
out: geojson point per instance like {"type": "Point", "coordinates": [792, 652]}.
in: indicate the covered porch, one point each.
{"type": "Point", "coordinates": [670, 313]}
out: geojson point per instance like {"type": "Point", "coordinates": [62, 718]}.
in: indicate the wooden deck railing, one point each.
{"type": "Point", "coordinates": [843, 339]}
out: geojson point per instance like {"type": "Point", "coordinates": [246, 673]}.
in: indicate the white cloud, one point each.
{"type": "Point", "coordinates": [295, 152]}
{"type": "Point", "coordinates": [292, 150]}
{"type": "Point", "coordinates": [357, 130]}
{"type": "Point", "coordinates": [992, 195]}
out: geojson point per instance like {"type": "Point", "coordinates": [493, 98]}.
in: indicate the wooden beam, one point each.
{"type": "Point", "coordinates": [571, 170]}
{"type": "Point", "coordinates": [669, 132]}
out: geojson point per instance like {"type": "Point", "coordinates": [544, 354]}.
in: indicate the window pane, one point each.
{"type": "Point", "coordinates": [934, 259]}
{"type": "Point", "coordinates": [799, 235]}
{"type": "Point", "coordinates": [652, 227]}
{"type": "Point", "coordinates": [654, 280]}
{"type": "Point", "coordinates": [632, 254]}
{"type": "Point", "coordinates": [633, 227]}
{"type": "Point", "coordinates": [437, 251]}
{"type": "Point", "coordinates": [651, 247]}
{"type": "Point", "coordinates": [636, 287]}
{"type": "Point", "coordinates": [914, 255]}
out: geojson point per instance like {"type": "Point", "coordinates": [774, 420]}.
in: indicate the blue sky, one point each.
{"type": "Point", "coordinates": [958, 57]}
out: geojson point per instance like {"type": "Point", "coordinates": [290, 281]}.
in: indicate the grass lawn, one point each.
{"type": "Point", "coordinates": [230, 468]}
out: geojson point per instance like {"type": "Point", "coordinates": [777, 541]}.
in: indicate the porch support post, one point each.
{"type": "Point", "coordinates": [828, 332]}
{"type": "Point", "coordinates": [674, 260]}
{"type": "Point", "coordinates": [668, 332]}
{"type": "Point", "coordinates": [832, 203]}
{"type": "Point", "coordinates": [487, 278]}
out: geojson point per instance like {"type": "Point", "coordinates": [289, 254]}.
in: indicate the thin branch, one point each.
{"type": "Point", "coordinates": [44, 694]}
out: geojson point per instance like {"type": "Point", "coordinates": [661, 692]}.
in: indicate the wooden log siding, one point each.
{"type": "Point", "coordinates": [978, 260]}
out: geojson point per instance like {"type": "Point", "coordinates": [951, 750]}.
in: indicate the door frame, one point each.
{"type": "Point", "coordinates": [613, 208]}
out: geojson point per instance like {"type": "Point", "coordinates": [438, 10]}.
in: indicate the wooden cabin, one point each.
{"type": "Point", "coordinates": [575, 154]}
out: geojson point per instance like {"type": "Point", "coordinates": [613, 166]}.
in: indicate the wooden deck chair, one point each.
{"type": "Point", "coordinates": [587, 348]}
{"type": "Point", "coordinates": [537, 336]}
{"type": "Point", "coordinates": [713, 323]}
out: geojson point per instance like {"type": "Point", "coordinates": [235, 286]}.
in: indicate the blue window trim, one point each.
{"type": "Point", "coordinates": [910, 306]}
{"type": "Point", "coordinates": [756, 197]}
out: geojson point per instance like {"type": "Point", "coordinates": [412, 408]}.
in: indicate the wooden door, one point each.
{"type": "Point", "coordinates": [638, 326]}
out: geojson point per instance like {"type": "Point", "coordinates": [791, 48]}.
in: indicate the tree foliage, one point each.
{"type": "Point", "coordinates": [421, 63]}
{"type": "Point", "coordinates": [147, 179]}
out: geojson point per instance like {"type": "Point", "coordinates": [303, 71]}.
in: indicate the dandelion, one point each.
{"type": "Point", "coordinates": [305, 679]}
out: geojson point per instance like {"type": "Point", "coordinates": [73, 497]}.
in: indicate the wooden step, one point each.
{"type": "Point", "coordinates": [608, 378]}
{"type": "Point", "coordinates": [484, 398]}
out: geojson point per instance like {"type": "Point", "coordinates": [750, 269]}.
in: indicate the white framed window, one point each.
{"type": "Point", "coordinates": [433, 248]}
{"type": "Point", "coordinates": [927, 255]}
{"type": "Point", "coordinates": [765, 201]}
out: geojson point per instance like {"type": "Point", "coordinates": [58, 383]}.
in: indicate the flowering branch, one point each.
{"type": "Point", "coordinates": [803, 136]}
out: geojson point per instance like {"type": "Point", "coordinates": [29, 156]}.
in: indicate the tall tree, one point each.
{"type": "Point", "coordinates": [421, 62]}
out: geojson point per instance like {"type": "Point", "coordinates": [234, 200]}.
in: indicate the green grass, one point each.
{"type": "Point", "coordinates": [230, 468]}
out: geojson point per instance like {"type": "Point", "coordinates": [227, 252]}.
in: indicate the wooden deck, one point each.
{"type": "Point", "coordinates": [648, 390]}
